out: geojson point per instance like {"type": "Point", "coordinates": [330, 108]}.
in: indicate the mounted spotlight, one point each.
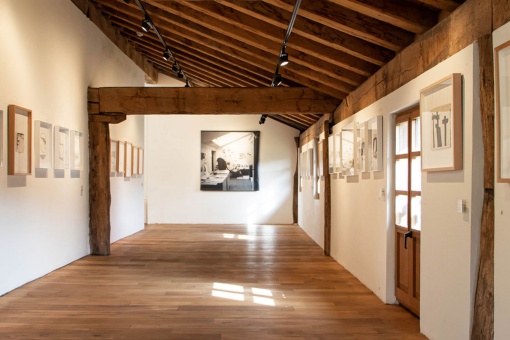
{"type": "Point", "coordinates": [147, 24]}
{"type": "Point", "coordinates": [187, 84]}
{"type": "Point", "coordinates": [284, 58]}
{"type": "Point", "coordinates": [175, 68]}
{"type": "Point", "coordinates": [277, 80]}
{"type": "Point", "coordinates": [263, 119]}
{"type": "Point", "coordinates": [180, 74]}
{"type": "Point", "coordinates": [166, 54]}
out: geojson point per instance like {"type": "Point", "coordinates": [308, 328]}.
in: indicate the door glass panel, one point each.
{"type": "Point", "coordinates": [401, 169]}
{"type": "Point", "coordinates": [416, 173]}
{"type": "Point", "coordinates": [416, 137]}
{"type": "Point", "coordinates": [401, 210]}
{"type": "Point", "coordinates": [401, 140]}
{"type": "Point", "coordinates": [416, 212]}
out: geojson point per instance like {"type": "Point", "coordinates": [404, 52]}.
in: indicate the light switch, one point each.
{"type": "Point", "coordinates": [461, 206]}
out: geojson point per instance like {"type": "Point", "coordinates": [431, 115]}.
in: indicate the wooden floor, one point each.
{"type": "Point", "coordinates": [204, 282]}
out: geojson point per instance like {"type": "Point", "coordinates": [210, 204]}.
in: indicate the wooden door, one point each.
{"type": "Point", "coordinates": [408, 209]}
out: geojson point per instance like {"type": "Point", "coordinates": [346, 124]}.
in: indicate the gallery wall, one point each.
{"type": "Point", "coordinates": [173, 172]}
{"type": "Point", "coordinates": [50, 54]}
{"type": "Point", "coordinates": [502, 236]}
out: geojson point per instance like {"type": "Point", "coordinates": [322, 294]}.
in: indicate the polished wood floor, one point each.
{"type": "Point", "coordinates": [204, 282]}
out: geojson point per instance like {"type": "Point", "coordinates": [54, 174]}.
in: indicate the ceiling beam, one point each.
{"type": "Point", "coordinates": [170, 100]}
{"type": "Point", "coordinates": [444, 5]}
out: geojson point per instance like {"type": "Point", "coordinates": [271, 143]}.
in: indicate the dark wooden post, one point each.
{"type": "Point", "coordinates": [295, 207]}
{"type": "Point", "coordinates": [327, 190]}
{"type": "Point", "coordinates": [483, 315]}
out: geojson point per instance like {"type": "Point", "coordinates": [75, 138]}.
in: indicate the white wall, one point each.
{"type": "Point", "coordinates": [363, 223]}
{"type": "Point", "coordinates": [502, 238]}
{"type": "Point", "coordinates": [173, 172]}
{"type": "Point", "coordinates": [50, 54]}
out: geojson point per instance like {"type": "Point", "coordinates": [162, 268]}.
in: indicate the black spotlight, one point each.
{"type": "Point", "coordinates": [262, 119]}
{"type": "Point", "coordinates": [166, 54]}
{"type": "Point", "coordinates": [175, 68]}
{"type": "Point", "coordinates": [187, 84]}
{"type": "Point", "coordinates": [284, 58]}
{"type": "Point", "coordinates": [147, 24]}
{"type": "Point", "coordinates": [277, 80]}
{"type": "Point", "coordinates": [180, 74]}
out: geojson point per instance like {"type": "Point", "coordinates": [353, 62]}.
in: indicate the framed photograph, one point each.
{"type": "Point", "coordinates": [42, 144]}
{"type": "Point", "coordinates": [229, 160]}
{"type": "Point", "coordinates": [140, 161]}
{"type": "Point", "coordinates": [502, 70]}
{"type": "Point", "coordinates": [361, 147]}
{"type": "Point", "coordinates": [121, 160]}
{"type": "Point", "coordinates": [338, 152]}
{"type": "Point", "coordinates": [19, 144]}
{"type": "Point", "coordinates": [347, 147]}
{"type": "Point", "coordinates": [128, 160]}
{"type": "Point", "coordinates": [76, 158]}
{"type": "Point", "coordinates": [61, 148]}
{"type": "Point", "coordinates": [134, 163]}
{"type": "Point", "coordinates": [331, 154]}
{"type": "Point", "coordinates": [441, 124]}
{"type": "Point", "coordinates": [114, 146]}
{"type": "Point", "coordinates": [375, 139]}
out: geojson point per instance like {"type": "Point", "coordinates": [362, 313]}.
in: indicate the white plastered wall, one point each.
{"type": "Point", "coordinates": [502, 237]}
{"type": "Point", "coordinates": [173, 168]}
{"type": "Point", "coordinates": [362, 236]}
{"type": "Point", "coordinates": [50, 54]}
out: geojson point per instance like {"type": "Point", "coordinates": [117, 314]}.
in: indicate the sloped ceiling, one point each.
{"type": "Point", "coordinates": [334, 47]}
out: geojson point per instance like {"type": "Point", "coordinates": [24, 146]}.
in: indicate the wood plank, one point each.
{"type": "Point", "coordinates": [444, 5]}
{"type": "Point", "coordinates": [132, 100]}
{"type": "Point", "coordinates": [172, 282]}
{"type": "Point", "coordinates": [102, 23]}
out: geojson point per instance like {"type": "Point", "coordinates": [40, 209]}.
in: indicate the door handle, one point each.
{"type": "Point", "coordinates": [407, 235]}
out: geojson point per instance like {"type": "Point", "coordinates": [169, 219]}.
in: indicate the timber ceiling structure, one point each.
{"type": "Point", "coordinates": [334, 47]}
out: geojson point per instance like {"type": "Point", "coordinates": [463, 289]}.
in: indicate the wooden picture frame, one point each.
{"type": "Point", "coordinates": [43, 143]}
{"type": "Point", "coordinates": [114, 159]}
{"type": "Point", "coordinates": [502, 79]}
{"type": "Point", "coordinates": [121, 160]}
{"type": "Point", "coordinates": [134, 163]}
{"type": "Point", "coordinates": [76, 150]}
{"type": "Point", "coordinates": [128, 159]}
{"type": "Point", "coordinates": [61, 148]}
{"type": "Point", "coordinates": [441, 124]}
{"type": "Point", "coordinates": [19, 141]}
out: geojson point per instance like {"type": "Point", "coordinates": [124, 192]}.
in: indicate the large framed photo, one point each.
{"type": "Point", "coordinates": [441, 124]}
{"type": "Point", "coordinates": [229, 160]}
{"type": "Point", "coordinates": [61, 138]}
{"type": "Point", "coordinates": [502, 70]}
{"type": "Point", "coordinates": [42, 144]}
{"type": "Point", "coordinates": [19, 135]}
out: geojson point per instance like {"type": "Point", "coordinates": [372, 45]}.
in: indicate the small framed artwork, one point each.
{"type": "Point", "coordinates": [311, 161]}
{"type": "Point", "coordinates": [42, 144]}
{"type": "Point", "coordinates": [347, 147]}
{"type": "Point", "coordinates": [331, 154]}
{"type": "Point", "coordinates": [19, 135]}
{"type": "Point", "coordinates": [61, 138]}
{"type": "Point", "coordinates": [338, 152]}
{"type": "Point", "coordinates": [128, 159]}
{"type": "Point", "coordinates": [361, 147]}
{"type": "Point", "coordinates": [374, 139]}
{"type": "Point", "coordinates": [114, 146]}
{"type": "Point", "coordinates": [134, 163]}
{"type": "Point", "coordinates": [140, 161]}
{"type": "Point", "coordinates": [320, 157]}
{"type": "Point", "coordinates": [502, 70]}
{"type": "Point", "coordinates": [441, 124]}
{"type": "Point", "coordinates": [121, 154]}
{"type": "Point", "coordinates": [76, 158]}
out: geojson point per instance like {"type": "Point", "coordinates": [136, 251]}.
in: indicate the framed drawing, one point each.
{"type": "Point", "coordinates": [128, 159]}
{"type": "Point", "coordinates": [140, 161]}
{"type": "Point", "coordinates": [347, 148]}
{"type": "Point", "coordinates": [331, 154]}
{"type": "Point", "coordinates": [61, 149]}
{"type": "Point", "coordinates": [502, 70]}
{"type": "Point", "coordinates": [134, 163]}
{"type": "Point", "coordinates": [121, 156]}
{"type": "Point", "coordinates": [42, 144]}
{"type": "Point", "coordinates": [361, 147]}
{"type": "Point", "coordinates": [338, 152]}
{"type": "Point", "coordinates": [76, 158]}
{"type": "Point", "coordinates": [375, 148]}
{"type": "Point", "coordinates": [229, 160]}
{"type": "Point", "coordinates": [441, 124]}
{"type": "Point", "coordinates": [114, 145]}
{"type": "Point", "coordinates": [19, 144]}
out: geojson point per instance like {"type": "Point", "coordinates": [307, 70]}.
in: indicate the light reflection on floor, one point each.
{"type": "Point", "coordinates": [239, 293]}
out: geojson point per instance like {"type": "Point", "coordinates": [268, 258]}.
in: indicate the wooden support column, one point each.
{"type": "Point", "coordinates": [295, 187]}
{"type": "Point", "coordinates": [327, 190]}
{"type": "Point", "coordinates": [483, 315]}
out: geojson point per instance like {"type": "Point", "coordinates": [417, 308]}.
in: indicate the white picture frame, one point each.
{"type": "Point", "coordinates": [121, 162]}
{"type": "Point", "coordinates": [61, 148]}
{"type": "Point", "coordinates": [134, 163]}
{"type": "Point", "coordinates": [76, 150]}
{"type": "Point", "coordinates": [331, 154]}
{"type": "Point", "coordinates": [141, 164]}
{"type": "Point", "coordinates": [128, 159]}
{"type": "Point", "coordinates": [320, 157]}
{"type": "Point", "coordinates": [114, 151]}
{"type": "Point", "coordinates": [375, 143]}
{"type": "Point", "coordinates": [43, 144]}
{"type": "Point", "coordinates": [338, 152]}
{"type": "Point", "coordinates": [348, 147]}
{"type": "Point", "coordinates": [361, 147]}
{"type": "Point", "coordinates": [502, 79]}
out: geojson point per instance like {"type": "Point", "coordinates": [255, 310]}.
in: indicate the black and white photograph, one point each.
{"type": "Point", "coordinates": [229, 160]}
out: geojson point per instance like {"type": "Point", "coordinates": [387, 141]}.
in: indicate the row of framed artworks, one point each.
{"type": "Point", "coordinates": [126, 159]}
{"type": "Point", "coordinates": [54, 147]}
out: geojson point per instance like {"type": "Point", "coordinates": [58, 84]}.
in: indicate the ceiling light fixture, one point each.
{"type": "Point", "coordinates": [167, 54]}
{"type": "Point", "coordinates": [263, 119]}
{"type": "Point", "coordinates": [187, 84]}
{"type": "Point", "coordinates": [180, 74]}
{"type": "Point", "coordinates": [147, 24]}
{"type": "Point", "coordinates": [284, 58]}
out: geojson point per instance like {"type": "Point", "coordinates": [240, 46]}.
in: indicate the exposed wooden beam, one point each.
{"type": "Point", "coordinates": [132, 100]}
{"type": "Point", "coordinates": [444, 5]}
{"type": "Point", "coordinates": [100, 21]}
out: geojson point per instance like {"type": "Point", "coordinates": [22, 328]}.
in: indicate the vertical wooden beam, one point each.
{"type": "Point", "coordinates": [295, 207]}
{"type": "Point", "coordinates": [99, 187]}
{"type": "Point", "coordinates": [327, 191]}
{"type": "Point", "coordinates": [483, 315]}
